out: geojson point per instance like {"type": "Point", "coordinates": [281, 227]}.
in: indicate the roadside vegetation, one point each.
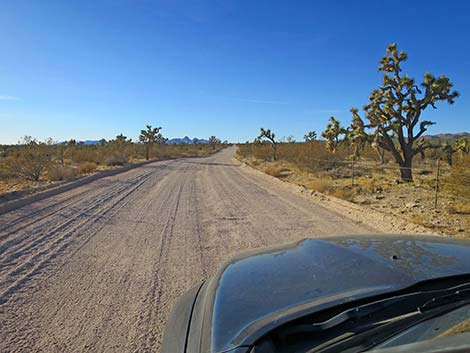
{"type": "Point", "coordinates": [382, 160]}
{"type": "Point", "coordinates": [32, 163]}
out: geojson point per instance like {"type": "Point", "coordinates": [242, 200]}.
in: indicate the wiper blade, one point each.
{"type": "Point", "coordinates": [386, 308]}
{"type": "Point", "coordinates": [385, 314]}
{"type": "Point", "coordinates": [367, 337]}
{"type": "Point", "coordinates": [456, 295]}
{"type": "Point", "coordinates": [360, 333]}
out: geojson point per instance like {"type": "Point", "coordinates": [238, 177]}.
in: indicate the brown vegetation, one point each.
{"type": "Point", "coordinates": [87, 167]}
{"type": "Point", "coordinates": [32, 163]}
{"type": "Point", "coordinates": [369, 182]}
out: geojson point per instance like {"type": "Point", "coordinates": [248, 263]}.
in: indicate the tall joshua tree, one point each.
{"type": "Point", "coordinates": [149, 137]}
{"type": "Point", "coordinates": [214, 141]}
{"type": "Point", "coordinates": [395, 110]}
{"type": "Point", "coordinates": [270, 137]}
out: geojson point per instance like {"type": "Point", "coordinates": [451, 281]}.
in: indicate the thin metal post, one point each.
{"type": "Point", "coordinates": [352, 172]}
{"type": "Point", "coordinates": [436, 186]}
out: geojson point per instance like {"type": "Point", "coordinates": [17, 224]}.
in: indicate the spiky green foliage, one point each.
{"type": "Point", "coordinates": [462, 145]}
{"type": "Point", "coordinates": [395, 110]}
{"type": "Point", "coordinates": [449, 153]}
{"type": "Point", "coordinates": [150, 137]}
{"type": "Point", "coordinates": [333, 134]}
{"type": "Point", "coordinates": [310, 136]}
{"type": "Point", "coordinates": [214, 141]}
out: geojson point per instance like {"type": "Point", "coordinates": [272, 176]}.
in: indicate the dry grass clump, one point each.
{"type": "Point", "coordinates": [324, 186]}
{"type": "Point", "coordinates": [58, 172]}
{"type": "Point", "coordinates": [87, 167]}
{"type": "Point", "coordinates": [345, 193]}
{"type": "Point", "coordinates": [418, 219]}
{"type": "Point", "coordinates": [115, 159]}
{"type": "Point", "coordinates": [276, 171]}
{"type": "Point", "coordinates": [461, 209]}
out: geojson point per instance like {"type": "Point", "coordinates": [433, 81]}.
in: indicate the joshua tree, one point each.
{"type": "Point", "coordinates": [332, 134]}
{"type": "Point", "coordinates": [213, 141]}
{"type": "Point", "coordinates": [267, 135]}
{"type": "Point", "coordinates": [310, 136]}
{"type": "Point", "coordinates": [449, 153]}
{"type": "Point", "coordinates": [462, 145]}
{"type": "Point", "coordinates": [290, 139]}
{"type": "Point", "coordinates": [395, 110]}
{"type": "Point", "coordinates": [149, 137]}
{"type": "Point", "coordinates": [121, 139]}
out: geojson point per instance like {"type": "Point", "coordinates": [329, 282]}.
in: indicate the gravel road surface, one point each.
{"type": "Point", "coordinates": [98, 268]}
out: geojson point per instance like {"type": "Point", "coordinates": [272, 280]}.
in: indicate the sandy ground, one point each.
{"type": "Point", "coordinates": [99, 267]}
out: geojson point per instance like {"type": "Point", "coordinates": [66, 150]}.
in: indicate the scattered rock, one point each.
{"type": "Point", "coordinates": [412, 204]}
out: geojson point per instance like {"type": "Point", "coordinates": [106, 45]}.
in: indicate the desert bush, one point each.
{"type": "Point", "coordinates": [58, 172]}
{"type": "Point", "coordinates": [458, 182]}
{"type": "Point", "coordinates": [115, 159]}
{"type": "Point", "coordinates": [275, 171]}
{"type": "Point", "coordinates": [321, 185]}
{"type": "Point", "coordinates": [345, 193]}
{"type": "Point", "coordinates": [87, 154]}
{"type": "Point", "coordinates": [312, 156]}
{"type": "Point", "coordinates": [86, 167]}
{"type": "Point", "coordinates": [29, 162]}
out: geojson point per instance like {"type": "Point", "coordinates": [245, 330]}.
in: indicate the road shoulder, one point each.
{"type": "Point", "coordinates": [357, 213]}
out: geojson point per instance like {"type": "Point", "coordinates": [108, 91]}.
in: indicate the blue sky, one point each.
{"type": "Point", "coordinates": [93, 69]}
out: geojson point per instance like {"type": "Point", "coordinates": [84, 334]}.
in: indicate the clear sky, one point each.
{"type": "Point", "coordinates": [92, 69]}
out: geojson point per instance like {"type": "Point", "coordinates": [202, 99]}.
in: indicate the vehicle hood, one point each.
{"type": "Point", "coordinates": [264, 288]}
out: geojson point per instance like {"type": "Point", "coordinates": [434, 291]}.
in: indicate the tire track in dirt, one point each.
{"type": "Point", "coordinates": [43, 251]}
{"type": "Point", "coordinates": [98, 268]}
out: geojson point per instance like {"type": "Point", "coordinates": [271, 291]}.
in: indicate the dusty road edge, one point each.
{"type": "Point", "coordinates": [31, 196]}
{"type": "Point", "coordinates": [356, 213]}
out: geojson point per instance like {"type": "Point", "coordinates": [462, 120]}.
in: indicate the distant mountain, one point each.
{"type": "Point", "coordinates": [173, 141]}
{"type": "Point", "coordinates": [88, 142]}
{"type": "Point", "coordinates": [187, 140]}
{"type": "Point", "coordinates": [447, 137]}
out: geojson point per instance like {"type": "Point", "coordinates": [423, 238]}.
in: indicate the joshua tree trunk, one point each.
{"type": "Point", "coordinates": [273, 145]}
{"type": "Point", "coordinates": [147, 151]}
{"type": "Point", "coordinates": [406, 172]}
{"type": "Point", "coordinates": [405, 163]}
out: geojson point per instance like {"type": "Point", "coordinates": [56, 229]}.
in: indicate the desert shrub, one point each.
{"type": "Point", "coordinates": [458, 182]}
{"type": "Point", "coordinates": [312, 156]}
{"type": "Point", "coordinates": [57, 172]}
{"type": "Point", "coordinates": [4, 173]}
{"type": "Point", "coordinates": [345, 193]}
{"type": "Point", "coordinates": [275, 171]}
{"type": "Point", "coordinates": [86, 167]}
{"type": "Point", "coordinates": [320, 185]}
{"type": "Point", "coordinates": [115, 159]}
{"type": "Point", "coordinates": [29, 162]}
{"type": "Point", "coordinates": [87, 154]}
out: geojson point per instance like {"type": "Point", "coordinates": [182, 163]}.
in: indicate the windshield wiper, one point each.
{"type": "Point", "coordinates": [361, 328]}
{"type": "Point", "coordinates": [370, 323]}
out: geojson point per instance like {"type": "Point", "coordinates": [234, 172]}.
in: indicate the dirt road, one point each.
{"type": "Point", "coordinates": [99, 267]}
